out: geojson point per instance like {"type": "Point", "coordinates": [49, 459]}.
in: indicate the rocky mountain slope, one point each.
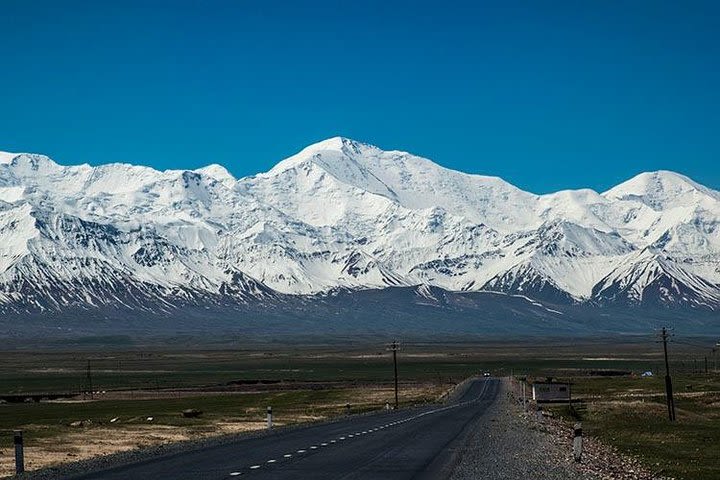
{"type": "Point", "coordinates": [342, 216]}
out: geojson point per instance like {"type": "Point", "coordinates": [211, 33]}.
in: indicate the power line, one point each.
{"type": "Point", "coordinates": [683, 342]}
{"type": "Point", "coordinates": [713, 355]}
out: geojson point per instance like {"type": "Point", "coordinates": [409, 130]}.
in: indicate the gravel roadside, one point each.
{"type": "Point", "coordinates": [508, 443]}
{"type": "Point", "coordinates": [504, 444]}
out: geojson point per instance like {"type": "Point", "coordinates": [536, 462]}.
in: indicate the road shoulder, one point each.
{"type": "Point", "coordinates": [505, 444]}
{"type": "Point", "coordinates": [509, 443]}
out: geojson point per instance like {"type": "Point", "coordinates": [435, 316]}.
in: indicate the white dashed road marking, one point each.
{"type": "Point", "coordinates": [379, 427]}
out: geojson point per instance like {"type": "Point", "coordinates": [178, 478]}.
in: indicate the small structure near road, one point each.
{"type": "Point", "coordinates": [551, 392]}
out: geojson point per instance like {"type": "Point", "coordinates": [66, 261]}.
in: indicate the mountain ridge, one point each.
{"type": "Point", "coordinates": [348, 215]}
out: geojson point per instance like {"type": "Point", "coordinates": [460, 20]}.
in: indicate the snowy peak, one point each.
{"type": "Point", "coordinates": [652, 278]}
{"type": "Point", "coordinates": [217, 172]}
{"type": "Point", "coordinates": [7, 157]}
{"type": "Point", "coordinates": [661, 189]}
{"type": "Point", "coordinates": [358, 170]}
{"type": "Point", "coordinates": [323, 153]}
{"type": "Point", "coordinates": [344, 215]}
{"type": "Point", "coordinates": [29, 164]}
{"type": "Point", "coordinates": [343, 159]}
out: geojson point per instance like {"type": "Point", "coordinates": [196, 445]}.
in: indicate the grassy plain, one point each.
{"type": "Point", "coordinates": [631, 414]}
{"type": "Point", "coordinates": [232, 387]}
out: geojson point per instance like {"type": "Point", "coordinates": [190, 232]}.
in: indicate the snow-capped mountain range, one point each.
{"type": "Point", "coordinates": [344, 216]}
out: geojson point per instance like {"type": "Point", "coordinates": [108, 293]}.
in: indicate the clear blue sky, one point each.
{"type": "Point", "coordinates": [546, 94]}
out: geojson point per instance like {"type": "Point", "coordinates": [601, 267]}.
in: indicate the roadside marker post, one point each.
{"type": "Point", "coordinates": [269, 418]}
{"type": "Point", "coordinates": [19, 454]}
{"type": "Point", "coordinates": [577, 442]}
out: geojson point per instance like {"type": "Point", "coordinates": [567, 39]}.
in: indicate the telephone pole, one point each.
{"type": "Point", "coordinates": [668, 382]}
{"type": "Point", "coordinates": [394, 347]}
{"type": "Point", "coordinates": [89, 384]}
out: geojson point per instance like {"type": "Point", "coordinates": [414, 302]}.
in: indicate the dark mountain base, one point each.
{"type": "Point", "coordinates": [430, 314]}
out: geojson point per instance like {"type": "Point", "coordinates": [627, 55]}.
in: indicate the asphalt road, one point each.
{"type": "Point", "coordinates": [416, 443]}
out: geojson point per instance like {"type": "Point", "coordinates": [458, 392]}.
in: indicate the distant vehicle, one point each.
{"type": "Point", "coordinates": [486, 374]}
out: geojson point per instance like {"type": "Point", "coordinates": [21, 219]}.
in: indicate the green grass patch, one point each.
{"type": "Point", "coordinates": [631, 414]}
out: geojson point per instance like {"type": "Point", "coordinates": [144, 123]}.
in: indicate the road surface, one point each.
{"type": "Point", "coordinates": [415, 443]}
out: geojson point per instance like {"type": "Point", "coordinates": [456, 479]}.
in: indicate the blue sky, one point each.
{"type": "Point", "coordinates": [548, 95]}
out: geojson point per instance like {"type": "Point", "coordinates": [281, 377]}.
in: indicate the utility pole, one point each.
{"type": "Point", "coordinates": [706, 368]}
{"type": "Point", "coordinates": [668, 382]}
{"type": "Point", "coordinates": [394, 347]}
{"type": "Point", "coordinates": [89, 380]}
